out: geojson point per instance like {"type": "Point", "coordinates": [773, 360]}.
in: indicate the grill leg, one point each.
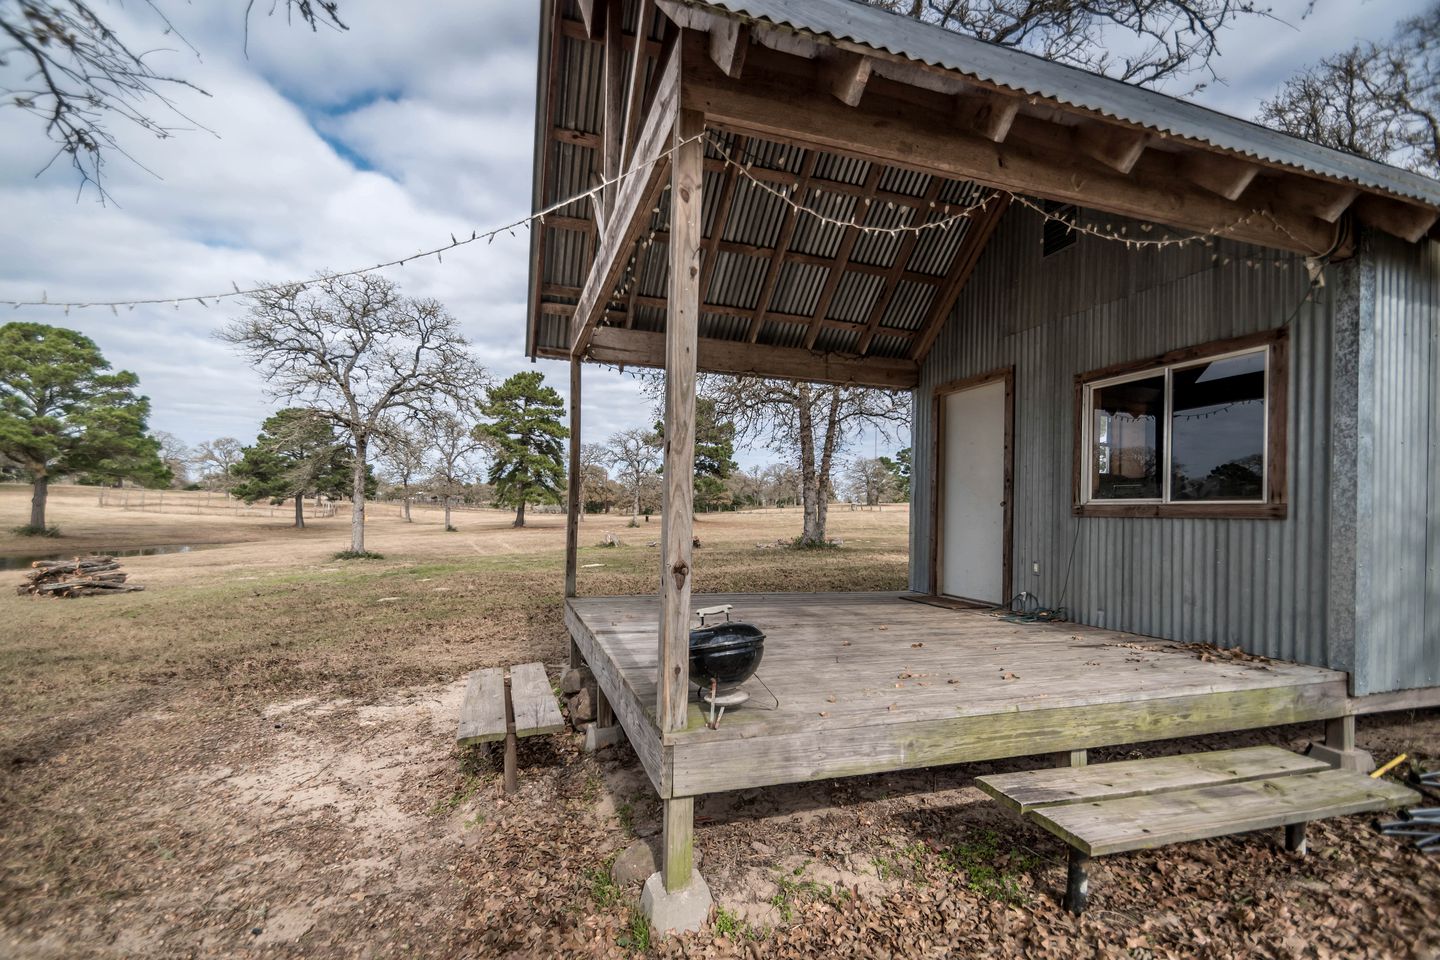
{"type": "Point", "coordinates": [1295, 838]}
{"type": "Point", "coordinates": [1077, 883]}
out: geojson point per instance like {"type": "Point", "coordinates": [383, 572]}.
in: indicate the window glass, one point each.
{"type": "Point", "coordinates": [1128, 434]}
{"type": "Point", "coordinates": [1217, 424]}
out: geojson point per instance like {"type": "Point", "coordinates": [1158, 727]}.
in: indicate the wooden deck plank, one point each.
{"type": "Point", "coordinates": [1031, 789]}
{"type": "Point", "coordinates": [482, 712]}
{"type": "Point", "coordinates": [836, 663]}
{"type": "Point", "coordinates": [1144, 822]}
{"type": "Point", "coordinates": [536, 711]}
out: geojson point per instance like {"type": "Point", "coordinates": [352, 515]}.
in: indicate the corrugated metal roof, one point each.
{"type": "Point", "coordinates": [855, 22]}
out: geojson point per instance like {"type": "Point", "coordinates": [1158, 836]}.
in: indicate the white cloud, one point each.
{"type": "Point", "coordinates": [339, 149]}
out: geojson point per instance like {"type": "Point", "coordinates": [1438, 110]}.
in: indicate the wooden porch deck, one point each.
{"type": "Point", "coordinates": [870, 682]}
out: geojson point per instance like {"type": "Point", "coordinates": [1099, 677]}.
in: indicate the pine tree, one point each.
{"type": "Point", "coordinates": [297, 454]}
{"type": "Point", "coordinates": [62, 412]}
{"type": "Point", "coordinates": [524, 437]}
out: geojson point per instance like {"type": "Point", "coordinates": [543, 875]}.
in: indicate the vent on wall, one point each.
{"type": "Point", "coordinates": [1058, 234]}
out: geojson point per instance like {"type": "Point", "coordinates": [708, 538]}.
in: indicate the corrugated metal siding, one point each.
{"type": "Point", "coordinates": [1398, 552]}
{"type": "Point", "coordinates": [1259, 584]}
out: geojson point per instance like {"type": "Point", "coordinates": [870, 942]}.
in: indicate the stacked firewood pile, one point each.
{"type": "Point", "coordinates": [81, 577]}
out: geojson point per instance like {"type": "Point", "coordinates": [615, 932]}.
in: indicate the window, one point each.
{"type": "Point", "coordinates": [1198, 432]}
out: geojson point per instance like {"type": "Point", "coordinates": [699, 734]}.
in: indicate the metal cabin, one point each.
{"type": "Point", "coordinates": [1131, 395]}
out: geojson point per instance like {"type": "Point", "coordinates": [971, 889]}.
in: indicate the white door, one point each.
{"type": "Point", "coordinates": [972, 490]}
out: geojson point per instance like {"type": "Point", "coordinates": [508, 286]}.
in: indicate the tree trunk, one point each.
{"type": "Point", "coordinates": [520, 515]}
{"type": "Point", "coordinates": [37, 501]}
{"type": "Point", "coordinates": [357, 499]}
{"type": "Point", "coordinates": [447, 514]}
{"type": "Point", "coordinates": [405, 503]}
{"type": "Point", "coordinates": [635, 509]}
{"type": "Point", "coordinates": [300, 511]}
{"type": "Point", "coordinates": [813, 531]}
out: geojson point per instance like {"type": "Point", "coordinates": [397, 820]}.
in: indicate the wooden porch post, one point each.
{"type": "Point", "coordinates": [676, 533]}
{"type": "Point", "coordinates": [573, 503]}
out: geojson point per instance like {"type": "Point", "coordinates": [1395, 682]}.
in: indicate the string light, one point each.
{"type": "Point", "coordinates": [786, 194]}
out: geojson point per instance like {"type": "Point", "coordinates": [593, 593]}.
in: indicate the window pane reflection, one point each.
{"type": "Point", "coordinates": [1128, 432]}
{"type": "Point", "coordinates": [1218, 430]}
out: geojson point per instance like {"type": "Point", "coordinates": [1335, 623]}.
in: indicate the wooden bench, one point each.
{"type": "Point", "coordinates": [1140, 804]}
{"type": "Point", "coordinates": [506, 706]}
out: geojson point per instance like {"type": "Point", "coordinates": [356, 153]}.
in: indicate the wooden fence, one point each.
{"type": "Point", "coordinates": [206, 503]}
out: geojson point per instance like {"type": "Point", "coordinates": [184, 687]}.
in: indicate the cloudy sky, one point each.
{"type": "Point", "coordinates": [336, 150]}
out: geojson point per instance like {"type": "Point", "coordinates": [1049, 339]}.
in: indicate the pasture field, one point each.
{"type": "Point", "coordinates": [253, 757]}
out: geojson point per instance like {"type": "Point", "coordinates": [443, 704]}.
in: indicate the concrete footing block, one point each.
{"type": "Point", "coordinates": [1352, 759]}
{"type": "Point", "coordinates": [684, 911]}
{"type": "Point", "coordinates": [598, 737]}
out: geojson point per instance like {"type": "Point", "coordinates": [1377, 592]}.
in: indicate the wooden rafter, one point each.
{"type": "Point", "coordinates": [639, 64]}
{"type": "Point", "coordinates": [782, 246]}
{"type": "Point", "coordinates": [783, 98]}
{"type": "Point", "coordinates": [612, 104]}
{"type": "Point", "coordinates": [977, 237]}
{"type": "Point", "coordinates": [729, 42]}
{"type": "Point", "coordinates": [792, 256]}
{"type": "Point", "coordinates": [842, 255]}
{"type": "Point", "coordinates": [717, 228]}
{"type": "Point", "coordinates": [638, 194]}
{"type": "Point", "coordinates": [987, 113]}
{"type": "Point", "coordinates": [1115, 146]}
{"type": "Point", "coordinates": [891, 282]}
{"type": "Point", "coordinates": [1224, 176]}
{"type": "Point", "coordinates": [641, 348]}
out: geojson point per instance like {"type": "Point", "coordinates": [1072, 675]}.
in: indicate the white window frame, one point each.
{"type": "Point", "coordinates": [1088, 478]}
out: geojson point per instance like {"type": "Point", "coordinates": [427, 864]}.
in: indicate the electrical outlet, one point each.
{"type": "Point", "coordinates": [1035, 568]}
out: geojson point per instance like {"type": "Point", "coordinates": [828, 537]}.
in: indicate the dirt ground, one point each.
{"type": "Point", "coordinates": [254, 758]}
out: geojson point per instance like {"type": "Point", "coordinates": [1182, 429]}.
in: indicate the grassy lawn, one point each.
{"type": "Point", "coordinates": [254, 757]}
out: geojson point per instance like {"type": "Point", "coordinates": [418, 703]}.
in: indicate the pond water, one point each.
{"type": "Point", "coordinates": [23, 563]}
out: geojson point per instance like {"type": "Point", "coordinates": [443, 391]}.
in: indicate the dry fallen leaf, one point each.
{"type": "Point", "coordinates": [916, 646]}
{"type": "Point", "coordinates": [824, 713]}
{"type": "Point", "coordinates": [1010, 676]}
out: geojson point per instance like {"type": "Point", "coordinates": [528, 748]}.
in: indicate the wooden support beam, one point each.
{"type": "Point", "coordinates": [842, 255]}
{"type": "Point", "coordinates": [1115, 146]}
{"type": "Point", "coordinates": [847, 75]}
{"type": "Point", "coordinates": [682, 325]}
{"type": "Point", "coordinates": [573, 503]}
{"type": "Point", "coordinates": [977, 237]}
{"type": "Point", "coordinates": [573, 224]}
{"type": "Point", "coordinates": [641, 348]}
{"type": "Point", "coordinates": [1407, 220]}
{"type": "Point", "coordinates": [717, 228]}
{"type": "Point", "coordinates": [897, 269]}
{"type": "Point", "coordinates": [1319, 198]}
{"type": "Point", "coordinates": [635, 94]}
{"type": "Point", "coordinates": [729, 40]}
{"type": "Point", "coordinates": [779, 100]}
{"type": "Point", "coordinates": [782, 246]}
{"type": "Point", "coordinates": [1223, 176]}
{"type": "Point", "coordinates": [638, 194]}
{"type": "Point", "coordinates": [987, 113]}
{"type": "Point", "coordinates": [576, 31]}
{"type": "Point", "coordinates": [613, 104]}
{"type": "Point", "coordinates": [678, 840]}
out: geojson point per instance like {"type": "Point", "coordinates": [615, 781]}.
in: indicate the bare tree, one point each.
{"type": "Point", "coordinates": [1378, 100]}
{"type": "Point", "coordinates": [214, 460]}
{"type": "Point", "coordinates": [869, 481]}
{"type": "Point", "coordinates": [404, 456]}
{"type": "Point", "coordinates": [635, 457]}
{"type": "Point", "coordinates": [176, 456]}
{"type": "Point", "coordinates": [1165, 39]}
{"type": "Point", "coordinates": [456, 456]}
{"type": "Point", "coordinates": [812, 422]}
{"type": "Point", "coordinates": [75, 75]}
{"type": "Point", "coordinates": [594, 474]}
{"type": "Point", "coordinates": [358, 353]}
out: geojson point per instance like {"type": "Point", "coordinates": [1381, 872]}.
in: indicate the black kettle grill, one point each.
{"type": "Point", "coordinates": [723, 656]}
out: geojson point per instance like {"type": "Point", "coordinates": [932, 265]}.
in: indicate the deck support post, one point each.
{"type": "Point", "coordinates": [1072, 758]}
{"type": "Point", "coordinates": [573, 503]}
{"type": "Point", "coordinates": [604, 732]}
{"type": "Point", "coordinates": [1295, 838]}
{"type": "Point", "coordinates": [1339, 748]}
{"type": "Point", "coordinates": [676, 897]}
{"type": "Point", "coordinates": [1077, 882]}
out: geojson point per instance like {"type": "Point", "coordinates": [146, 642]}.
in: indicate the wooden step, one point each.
{"type": "Point", "coordinates": [1030, 789]}
{"type": "Point", "coordinates": [482, 712]}
{"type": "Point", "coordinates": [536, 711]}
{"type": "Point", "coordinates": [1139, 822]}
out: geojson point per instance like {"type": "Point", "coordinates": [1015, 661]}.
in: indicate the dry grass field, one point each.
{"type": "Point", "coordinates": [253, 758]}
